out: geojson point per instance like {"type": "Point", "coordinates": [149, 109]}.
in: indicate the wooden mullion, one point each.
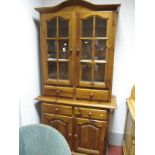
{"type": "Point", "coordinates": [57, 35]}
{"type": "Point", "coordinates": [93, 49]}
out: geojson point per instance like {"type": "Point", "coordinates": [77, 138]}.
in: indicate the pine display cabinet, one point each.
{"type": "Point", "coordinates": [77, 52]}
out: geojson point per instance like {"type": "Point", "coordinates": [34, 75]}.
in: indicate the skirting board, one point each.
{"type": "Point", "coordinates": [115, 139]}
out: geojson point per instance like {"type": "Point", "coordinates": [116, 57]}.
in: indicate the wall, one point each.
{"type": "Point", "coordinates": [29, 62]}
{"type": "Point", "coordinates": [123, 78]}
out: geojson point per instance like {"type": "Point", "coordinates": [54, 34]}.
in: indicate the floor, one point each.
{"type": "Point", "coordinates": [114, 150]}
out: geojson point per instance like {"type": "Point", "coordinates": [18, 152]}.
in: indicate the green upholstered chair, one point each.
{"type": "Point", "coordinates": [41, 139]}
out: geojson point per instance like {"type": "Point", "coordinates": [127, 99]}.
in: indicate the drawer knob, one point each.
{"type": "Point", "coordinates": [101, 115]}
{"type": "Point", "coordinates": [77, 52]}
{"type": "Point", "coordinates": [91, 94]}
{"type": "Point", "coordinates": [90, 114]}
{"type": "Point", "coordinates": [56, 109]}
{"type": "Point", "coordinates": [71, 51]}
{"type": "Point", "coordinates": [75, 135]}
{"type": "Point", "coordinates": [70, 134]}
{"type": "Point", "coordinates": [58, 91]}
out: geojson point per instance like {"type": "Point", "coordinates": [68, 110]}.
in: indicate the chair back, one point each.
{"type": "Point", "coordinates": [41, 139]}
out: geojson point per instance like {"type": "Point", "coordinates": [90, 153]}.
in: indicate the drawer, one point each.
{"type": "Point", "coordinates": [100, 95]}
{"type": "Point", "coordinates": [90, 113]}
{"type": "Point", "coordinates": [57, 109]}
{"type": "Point", "coordinates": [58, 91]}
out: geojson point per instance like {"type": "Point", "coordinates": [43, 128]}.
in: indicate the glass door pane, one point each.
{"type": "Point", "coordinates": [52, 70]}
{"type": "Point", "coordinates": [86, 49]}
{"type": "Point", "coordinates": [87, 27]}
{"type": "Point", "coordinates": [51, 28]}
{"type": "Point", "coordinates": [63, 27]}
{"type": "Point", "coordinates": [100, 27]}
{"type": "Point", "coordinates": [63, 70]}
{"type": "Point", "coordinates": [63, 49]}
{"type": "Point", "coordinates": [52, 49]}
{"type": "Point", "coordinates": [86, 71]}
{"type": "Point", "coordinates": [99, 72]}
{"type": "Point", "coordinates": [100, 49]}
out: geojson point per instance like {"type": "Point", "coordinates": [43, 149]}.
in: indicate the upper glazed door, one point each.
{"type": "Point", "coordinates": [94, 35]}
{"type": "Point", "coordinates": [57, 47]}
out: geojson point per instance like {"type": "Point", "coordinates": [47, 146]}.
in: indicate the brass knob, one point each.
{"type": "Point", "coordinates": [77, 52]}
{"type": "Point", "coordinates": [101, 115]}
{"type": "Point", "coordinates": [58, 91]}
{"type": "Point", "coordinates": [71, 51]}
{"type": "Point", "coordinates": [56, 109]}
{"type": "Point", "coordinates": [90, 114]}
{"type": "Point", "coordinates": [91, 95]}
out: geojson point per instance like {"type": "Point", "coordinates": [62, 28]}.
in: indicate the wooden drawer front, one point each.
{"type": "Point", "coordinates": [101, 95]}
{"type": "Point", "coordinates": [91, 113]}
{"type": "Point", "coordinates": [58, 91]}
{"type": "Point", "coordinates": [57, 109]}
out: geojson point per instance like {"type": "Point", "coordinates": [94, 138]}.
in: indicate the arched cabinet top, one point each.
{"type": "Point", "coordinates": [67, 3]}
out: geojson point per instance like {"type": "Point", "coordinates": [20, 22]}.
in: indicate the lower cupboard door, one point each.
{"type": "Point", "coordinates": [62, 123]}
{"type": "Point", "coordinates": [90, 136]}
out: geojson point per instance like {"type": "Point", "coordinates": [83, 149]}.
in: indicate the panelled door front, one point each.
{"type": "Point", "coordinates": [62, 123]}
{"type": "Point", "coordinates": [94, 44]}
{"type": "Point", "coordinates": [57, 44]}
{"type": "Point", "coordinates": [90, 136]}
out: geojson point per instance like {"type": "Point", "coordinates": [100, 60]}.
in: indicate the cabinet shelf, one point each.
{"type": "Point", "coordinates": [95, 61]}
{"type": "Point", "coordinates": [59, 60]}
{"type": "Point", "coordinates": [58, 38]}
{"type": "Point", "coordinates": [93, 38]}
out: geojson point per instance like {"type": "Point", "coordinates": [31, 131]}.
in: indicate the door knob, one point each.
{"type": "Point", "coordinates": [71, 51]}
{"type": "Point", "coordinates": [77, 52]}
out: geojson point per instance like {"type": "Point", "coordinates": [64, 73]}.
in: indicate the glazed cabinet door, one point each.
{"type": "Point", "coordinates": [90, 136]}
{"type": "Point", "coordinates": [62, 123]}
{"type": "Point", "coordinates": [57, 48]}
{"type": "Point", "coordinates": [94, 44]}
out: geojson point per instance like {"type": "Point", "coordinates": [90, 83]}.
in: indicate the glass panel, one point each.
{"type": "Point", "coordinates": [86, 70]}
{"type": "Point", "coordinates": [63, 70]}
{"type": "Point", "coordinates": [63, 49]}
{"type": "Point", "coordinates": [99, 71]}
{"type": "Point", "coordinates": [63, 27]}
{"type": "Point", "coordinates": [87, 27]}
{"type": "Point", "coordinates": [52, 48]}
{"type": "Point", "coordinates": [52, 70]}
{"type": "Point", "coordinates": [86, 49]}
{"type": "Point", "coordinates": [51, 28]}
{"type": "Point", "coordinates": [101, 27]}
{"type": "Point", "coordinates": [100, 49]}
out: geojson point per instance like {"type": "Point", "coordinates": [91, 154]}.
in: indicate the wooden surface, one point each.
{"type": "Point", "coordinates": [131, 106]}
{"type": "Point", "coordinates": [72, 14]}
{"type": "Point", "coordinates": [79, 128]}
{"type": "Point", "coordinates": [79, 109]}
{"type": "Point", "coordinates": [81, 103]}
{"type": "Point", "coordinates": [107, 7]}
{"type": "Point", "coordinates": [129, 134]}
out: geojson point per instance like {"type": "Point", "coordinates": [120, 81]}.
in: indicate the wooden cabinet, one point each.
{"type": "Point", "coordinates": [129, 134]}
{"type": "Point", "coordinates": [77, 52]}
{"type": "Point", "coordinates": [62, 123]}
{"type": "Point", "coordinates": [90, 136]}
{"type": "Point", "coordinates": [85, 129]}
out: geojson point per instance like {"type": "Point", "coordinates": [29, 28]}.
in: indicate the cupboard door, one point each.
{"type": "Point", "coordinates": [94, 44]}
{"type": "Point", "coordinates": [90, 136]}
{"type": "Point", "coordinates": [62, 123]}
{"type": "Point", "coordinates": [57, 44]}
